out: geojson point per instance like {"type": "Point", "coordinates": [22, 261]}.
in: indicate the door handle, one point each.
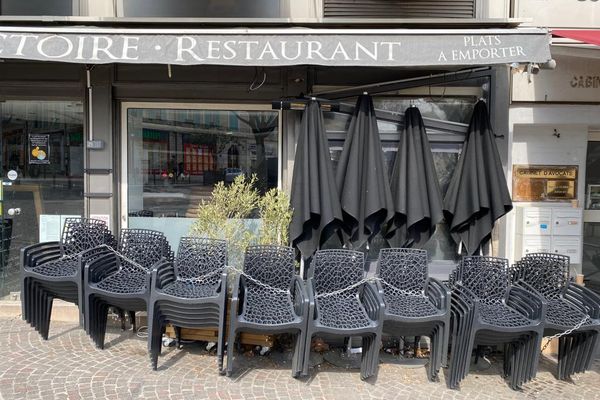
{"type": "Point", "coordinates": [14, 211]}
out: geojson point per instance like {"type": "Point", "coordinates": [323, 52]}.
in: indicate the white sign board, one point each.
{"type": "Point", "coordinates": [51, 226]}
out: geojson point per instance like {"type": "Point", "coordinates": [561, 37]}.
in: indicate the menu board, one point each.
{"type": "Point", "coordinates": [544, 182]}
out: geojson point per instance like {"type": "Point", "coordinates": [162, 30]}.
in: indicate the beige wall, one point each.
{"type": "Point", "coordinates": [575, 79]}
{"type": "Point", "coordinates": [559, 13]}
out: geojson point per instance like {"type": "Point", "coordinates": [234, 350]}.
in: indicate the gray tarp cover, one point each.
{"type": "Point", "coordinates": [314, 197]}
{"type": "Point", "coordinates": [477, 195]}
{"type": "Point", "coordinates": [362, 179]}
{"type": "Point", "coordinates": [415, 188]}
{"type": "Point", "coordinates": [276, 47]}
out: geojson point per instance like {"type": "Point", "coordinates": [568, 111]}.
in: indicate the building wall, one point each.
{"type": "Point", "coordinates": [559, 13]}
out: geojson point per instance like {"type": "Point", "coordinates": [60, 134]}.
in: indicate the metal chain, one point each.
{"type": "Point", "coordinates": [347, 288]}
{"type": "Point", "coordinates": [256, 281]}
{"type": "Point", "coordinates": [567, 332]}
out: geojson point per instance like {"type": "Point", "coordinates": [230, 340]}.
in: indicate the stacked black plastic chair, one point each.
{"type": "Point", "coordinates": [190, 293]}
{"type": "Point", "coordinates": [488, 311]}
{"type": "Point", "coordinates": [415, 305]}
{"type": "Point", "coordinates": [568, 305]}
{"type": "Point", "coordinates": [54, 270]}
{"type": "Point", "coordinates": [269, 298]}
{"type": "Point", "coordinates": [344, 305]}
{"type": "Point", "coordinates": [122, 279]}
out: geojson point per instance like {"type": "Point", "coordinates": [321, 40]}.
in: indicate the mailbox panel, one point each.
{"type": "Point", "coordinates": [567, 221]}
{"type": "Point", "coordinates": [537, 221]}
{"type": "Point", "coordinates": [568, 246]}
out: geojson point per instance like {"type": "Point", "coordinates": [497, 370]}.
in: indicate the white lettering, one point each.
{"type": "Point", "coordinates": [80, 42]}
{"type": "Point", "coordinates": [248, 44]}
{"type": "Point", "coordinates": [228, 48]}
{"type": "Point", "coordinates": [189, 49]}
{"type": "Point", "coordinates": [127, 47]}
{"type": "Point", "coordinates": [520, 51]}
{"type": "Point", "coordinates": [268, 49]}
{"type": "Point", "coordinates": [22, 42]}
{"type": "Point", "coordinates": [213, 51]}
{"type": "Point", "coordinates": [364, 50]}
{"type": "Point", "coordinates": [390, 46]}
{"type": "Point", "coordinates": [442, 57]}
{"type": "Point", "coordinates": [96, 49]}
{"type": "Point", "coordinates": [284, 47]}
{"type": "Point", "coordinates": [317, 50]}
{"type": "Point", "coordinates": [3, 36]}
{"type": "Point", "coordinates": [42, 42]}
{"type": "Point", "coordinates": [340, 49]}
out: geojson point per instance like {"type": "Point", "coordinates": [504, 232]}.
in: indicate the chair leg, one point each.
{"type": "Point", "coordinates": [122, 318]}
{"type": "Point", "coordinates": [155, 338]}
{"type": "Point", "coordinates": [221, 337]}
{"type": "Point", "coordinates": [45, 328]}
{"type": "Point", "coordinates": [297, 360]}
{"type": "Point", "coordinates": [306, 357]}
{"type": "Point", "coordinates": [133, 320]}
{"type": "Point", "coordinates": [230, 349]}
{"type": "Point", "coordinates": [177, 337]}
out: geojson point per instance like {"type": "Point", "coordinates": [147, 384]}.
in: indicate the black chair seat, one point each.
{"type": "Point", "coordinates": [561, 312]}
{"type": "Point", "coordinates": [501, 315]}
{"type": "Point", "coordinates": [407, 305]}
{"type": "Point", "coordinates": [343, 312]}
{"type": "Point", "coordinates": [267, 307]}
{"type": "Point", "coordinates": [63, 267]}
{"type": "Point", "coordinates": [124, 282]}
{"type": "Point", "coordinates": [188, 289]}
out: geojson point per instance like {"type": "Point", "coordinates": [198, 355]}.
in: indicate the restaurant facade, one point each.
{"type": "Point", "coordinates": [132, 114]}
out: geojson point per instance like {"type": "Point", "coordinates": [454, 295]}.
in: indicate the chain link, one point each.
{"type": "Point", "coordinates": [256, 281]}
{"type": "Point", "coordinates": [567, 332]}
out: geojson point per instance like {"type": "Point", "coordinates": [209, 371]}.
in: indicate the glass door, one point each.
{"type": "Point", "coordinates": [591, 215]}
{"type": "Point", "coordinates": [42, 176]}
{"type": "Point", "coordinates": [176, 153]}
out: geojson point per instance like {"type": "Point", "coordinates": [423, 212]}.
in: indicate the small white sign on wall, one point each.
{"type": "Point", "coordinates": [102, 217]}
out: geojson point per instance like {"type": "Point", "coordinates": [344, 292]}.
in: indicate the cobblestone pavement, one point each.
{"type": "Point", "coordinates": [68, 366]}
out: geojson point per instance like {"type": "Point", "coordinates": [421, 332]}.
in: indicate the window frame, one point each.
{"type": "Point", "coordinates": [124, 150]}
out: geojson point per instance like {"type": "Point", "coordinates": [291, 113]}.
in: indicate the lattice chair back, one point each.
{"type": "Point", "coordinates": [404, 269]}
{"type": "Point", "coordinates": [144, 246]}
{"type": "Point", "coordinates": [269, 264]}
{"type": "Point", "coordinates": [80, 234]}
{"type": "Point", "coordinates": [547, 273]}
{"type": "Point", "coordinates": [337, 269]}
{"type": "Point", "coordinates": [487, 277]}
{"type": "Point", "coordinates": [199, 257]}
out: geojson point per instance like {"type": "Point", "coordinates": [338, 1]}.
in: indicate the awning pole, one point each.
{"type": "Point", "coordinates": [369, 87]}
{"type": "Point", "coordinates": [89, 94]}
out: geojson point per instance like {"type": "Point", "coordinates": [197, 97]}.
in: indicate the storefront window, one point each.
{"type": "Point", "coordinates": [42, 148]}
{"type": "Point", "coordinates": [591, 226]}
{"type": "Point", "coordinates": [176, 156]}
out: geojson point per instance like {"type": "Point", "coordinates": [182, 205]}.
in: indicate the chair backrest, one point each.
{"type": "Point", "coordinates": [405, 269]}
{"type": "Point", "coordinates": [197, 257]}
{"type": "Point", "coordinates": [80, 234]}
{"type": "Point", "coordinates": [547, 273]}
{"type": "Point", "coordinates": [269, 264]}
{"type": "Point", "coordinates": [336, 269]}
{"type": "Point", "coordinates": [144, 246]}
{"type": "Point", "coordinates": [487, 277]}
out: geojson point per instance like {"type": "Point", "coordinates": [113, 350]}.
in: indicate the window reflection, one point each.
{"type": "Point", "coordinates": [177, 156]}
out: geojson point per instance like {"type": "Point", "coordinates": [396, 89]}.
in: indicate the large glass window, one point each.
{"type": "Point", "coordinates": [42, 148]}
{"type": "Point", "coordinates": [176, 156]}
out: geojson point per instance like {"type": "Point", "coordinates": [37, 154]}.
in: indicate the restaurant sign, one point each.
{"type": "Point", "coordinates": [544, 182]}
{"type": "Point", "coordinates": [277, 47]}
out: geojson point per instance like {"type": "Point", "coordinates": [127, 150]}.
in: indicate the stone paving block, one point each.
{"type": "Point", "coordinates": [68, 366]}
